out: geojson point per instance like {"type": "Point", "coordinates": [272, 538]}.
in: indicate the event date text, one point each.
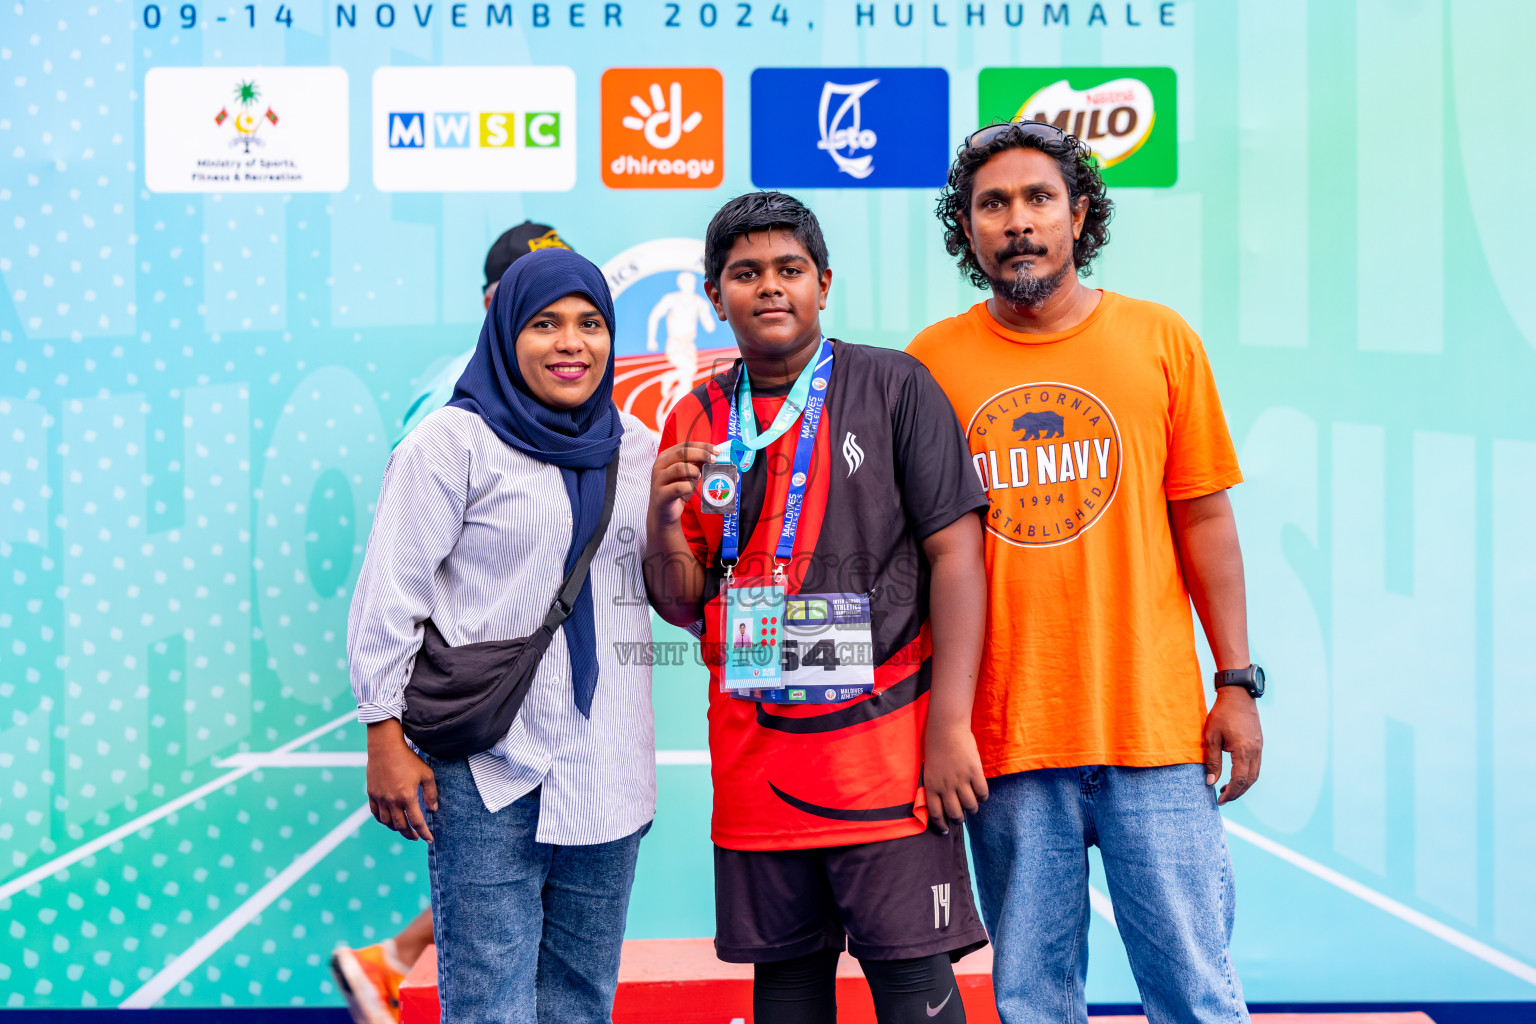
{"type": "Point", "coordinates": [388, 15]}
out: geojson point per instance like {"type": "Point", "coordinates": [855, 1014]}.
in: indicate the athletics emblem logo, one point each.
{"type": "Point", "coordinates": [1049, 456]}
{"type": "Point", "coordinates": [841, 139]}
{"type": "Point", "coordinates": [719, 488]}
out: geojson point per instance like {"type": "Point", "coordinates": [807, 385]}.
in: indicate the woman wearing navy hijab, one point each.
{"type": "Point", "coordinates": [484, 508]}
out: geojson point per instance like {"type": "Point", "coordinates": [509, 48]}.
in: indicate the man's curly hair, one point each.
{"type": "Point", "coordinates": [1079, 169]}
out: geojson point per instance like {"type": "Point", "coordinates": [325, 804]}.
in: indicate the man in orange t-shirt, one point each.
{"type": "Point", "coordinates": [1095, 426]}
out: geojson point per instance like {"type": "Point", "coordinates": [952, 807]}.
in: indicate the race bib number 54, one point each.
{"type": "Point", "coordinates": [828, 651]}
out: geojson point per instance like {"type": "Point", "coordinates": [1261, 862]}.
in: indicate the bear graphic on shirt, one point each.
{"type": "Point", "coordinates": [1049, 456]}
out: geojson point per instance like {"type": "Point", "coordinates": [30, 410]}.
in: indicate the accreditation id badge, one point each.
{"type": "Point", "coordinates": [828, 651]}
{"type": "Point", "coordinates": [752, 629]}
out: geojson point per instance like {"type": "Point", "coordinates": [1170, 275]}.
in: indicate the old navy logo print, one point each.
{"type": "Point", "coordinates": [1049, 456]}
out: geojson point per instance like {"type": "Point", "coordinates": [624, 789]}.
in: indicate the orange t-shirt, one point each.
{"type": "Point", "coordinates": [1081, 438]}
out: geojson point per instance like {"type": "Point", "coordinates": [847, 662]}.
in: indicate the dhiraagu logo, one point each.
{"type": "Point", "coordinates": [1127, 116]}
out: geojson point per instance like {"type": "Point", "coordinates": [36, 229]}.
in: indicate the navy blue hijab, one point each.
{"type": "Point", "coordinates": [580, 441]}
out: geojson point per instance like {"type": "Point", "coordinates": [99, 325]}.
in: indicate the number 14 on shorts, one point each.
{"type": "Point", "coordinates": [940, 903]}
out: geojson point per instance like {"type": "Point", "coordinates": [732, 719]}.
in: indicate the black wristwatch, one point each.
{"type": "Point", "coordinates": [1250, 679]}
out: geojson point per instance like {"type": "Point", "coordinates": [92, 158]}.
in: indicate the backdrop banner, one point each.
{"type": "Point", "coordinates": [240, 239]}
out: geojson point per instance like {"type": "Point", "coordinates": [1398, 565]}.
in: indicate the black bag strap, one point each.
{"type": "Point", "coordinates": [565, 599]}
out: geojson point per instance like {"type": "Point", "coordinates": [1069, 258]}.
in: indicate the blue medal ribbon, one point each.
{"type": "Point", "coordinates": [811, 387]}
{"type": "Point", "coordinates": [746, 442]}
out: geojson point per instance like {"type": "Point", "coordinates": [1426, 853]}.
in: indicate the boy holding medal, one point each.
{"type": "Point", "coordinates": [816, 500]}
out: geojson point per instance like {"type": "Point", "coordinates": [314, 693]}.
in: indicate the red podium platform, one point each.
{"type": "Point", "coordinates": [679, 981]}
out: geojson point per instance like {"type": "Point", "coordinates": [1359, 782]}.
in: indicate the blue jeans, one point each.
{"type": "Point", "coordinates": [1170, 879]}
{"type": "Point", "coordinates": [526, 932]}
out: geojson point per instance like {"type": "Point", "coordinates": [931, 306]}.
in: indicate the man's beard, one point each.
{"type": "Point", "coordinates": [1023, 288]}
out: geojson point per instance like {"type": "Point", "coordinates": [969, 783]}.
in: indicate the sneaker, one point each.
{"type": "Point", "coordinates": [370, 980]}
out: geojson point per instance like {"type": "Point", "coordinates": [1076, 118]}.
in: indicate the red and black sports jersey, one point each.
{"type": "Point", "coordinates": [890, 467]}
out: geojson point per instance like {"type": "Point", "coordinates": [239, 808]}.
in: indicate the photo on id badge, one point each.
{"type": "Point", "coordinates": [754, 617]}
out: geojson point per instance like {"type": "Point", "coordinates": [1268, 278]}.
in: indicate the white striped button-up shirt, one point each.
{"type": "Point", "coordinates": [472, 533]}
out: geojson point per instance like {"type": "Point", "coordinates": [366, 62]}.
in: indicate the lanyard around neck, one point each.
{"type": "Point", "coordinates": [746, 442]}
{"type": "Point", "coordinates": [815, 377]}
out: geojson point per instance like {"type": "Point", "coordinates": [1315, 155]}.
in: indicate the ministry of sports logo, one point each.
{"type": "Point", "coordinates": [1050, 457]}
{"type": "Point", "coordinates": [218, 129]}
{"type": "Point", "coordinates": [247, 123]}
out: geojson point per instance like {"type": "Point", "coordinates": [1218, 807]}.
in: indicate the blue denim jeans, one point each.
{"type": "Point", "coordinates": [1169, 875]}
{"type": "Point", "coordinates": [526, 932]}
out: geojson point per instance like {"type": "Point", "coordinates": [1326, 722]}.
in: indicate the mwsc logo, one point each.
{"type": "Point", "coordinates": [1127, 116]}
{"type": "Point", "coordinates": [474, 129]}
{"type": "Point", "coordinates": [462, 129]}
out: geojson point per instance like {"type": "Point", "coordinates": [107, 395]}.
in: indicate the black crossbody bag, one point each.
{"type": "Point", "coordinates": [462, 700]}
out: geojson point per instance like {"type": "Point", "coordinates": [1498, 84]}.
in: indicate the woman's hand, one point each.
{"type": "Point", "coordinates": [395, 774]}
{"type": "Point", "coordinates": [674, 476]}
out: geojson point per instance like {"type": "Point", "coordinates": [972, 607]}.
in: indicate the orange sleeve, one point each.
{"type": "Point", "coordinates": [928, 347]}
{"type": "Point", "coordinates": [1201, 459]}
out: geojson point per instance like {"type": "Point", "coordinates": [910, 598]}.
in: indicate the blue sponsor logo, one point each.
{"type": "Point", "coordinates": [850, 127]}
{"type": "Point", "coordinates": [452, 130]}
{"type": "Point", "coordinates": [407, 131]}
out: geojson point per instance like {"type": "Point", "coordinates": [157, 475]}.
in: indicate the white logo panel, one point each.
{"type": "Point", "coordinates": [474, 129]}
{"type": "Point", "coordinates": [245, 129]}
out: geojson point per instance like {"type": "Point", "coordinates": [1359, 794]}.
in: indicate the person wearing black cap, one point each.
{"type": "Point", "coordinates": [369, 977]}
{"type": "Point", "coordinates": [527, 237]}
{"type": "Point", "coordinates": [517, 241]}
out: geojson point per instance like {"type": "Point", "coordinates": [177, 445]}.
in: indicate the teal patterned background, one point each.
{"type": "Point", "coordinates": [197, 394]}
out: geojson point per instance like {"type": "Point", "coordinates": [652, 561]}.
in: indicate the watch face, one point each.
{"type": "Point", "coordinates": [1258, 681]}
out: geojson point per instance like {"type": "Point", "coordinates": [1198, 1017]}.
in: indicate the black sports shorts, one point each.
{"type": "Point", "coordinates": [892, 900]}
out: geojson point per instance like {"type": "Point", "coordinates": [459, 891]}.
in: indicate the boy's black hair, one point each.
{"type": "Point", "coordinates": [760, 211]}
